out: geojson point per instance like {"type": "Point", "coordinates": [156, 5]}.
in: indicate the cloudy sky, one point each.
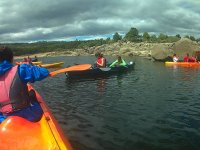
{"type": "Point", "coordinates": [36, 20]}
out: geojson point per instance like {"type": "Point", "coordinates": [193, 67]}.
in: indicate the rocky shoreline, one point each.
{"type": "Point", "coordinates": [121, 48]}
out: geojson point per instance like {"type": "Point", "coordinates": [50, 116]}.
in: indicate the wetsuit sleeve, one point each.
{"type": "Point", "coordinates": [123, 63]}
{"type": "Point", "coordinates": [113, 64]}
{"type": "Point", "coordinates": [31, 73]}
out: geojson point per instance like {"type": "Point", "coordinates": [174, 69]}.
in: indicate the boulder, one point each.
{"type": "Point", "coordinates": [160, 52]}
{"type": "Point", "coordinates": [184, 46]}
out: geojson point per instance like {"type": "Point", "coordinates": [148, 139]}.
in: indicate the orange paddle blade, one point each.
{"type": "Point", "coordinates": [72, 68]}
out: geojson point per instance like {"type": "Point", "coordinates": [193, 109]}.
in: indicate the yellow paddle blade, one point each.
{"type": "Point", "coordinates": [72, 68]}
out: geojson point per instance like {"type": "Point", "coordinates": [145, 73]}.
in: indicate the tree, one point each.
{"type": "Point", "coordinates": [153, 38]}
{"type": "Point", "coordinates": [108, 39]}
{"type": "Point", "coordinates": [178, 36]}
{"type": "Point", "coordinates": [172, 39]}
{"type": "Point", "coordinates": [198, 39]}
{"type": "Point", "coordinates": [162, 37]}
{"type": "Point", "coordinates": [187, 36]}
{"type": "Point", "coordinates": [192, 38]}
{"type": "Point", "coordinates": [117, 37]}
{"type": "Point", "coordinates": [146, 36]}
{"type": "Point", "coordinates": [132, 35]}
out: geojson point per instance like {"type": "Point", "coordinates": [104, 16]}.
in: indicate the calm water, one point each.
{"type": "Point", "coordinates": [152, 108]}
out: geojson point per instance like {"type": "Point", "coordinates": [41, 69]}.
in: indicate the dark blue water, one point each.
{"type": "Point", "coordinates": [152, 108]}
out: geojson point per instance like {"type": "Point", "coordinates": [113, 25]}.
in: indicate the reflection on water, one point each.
{"type": "Point", "coordinates": [101, 85]}
{"type": "Point", "coordinates": [153, 107]}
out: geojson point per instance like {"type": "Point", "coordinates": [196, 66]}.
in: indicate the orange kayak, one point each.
{"type": "Point", "coordinates": [17, 133]}
{"type": "Point", "coordinates": [184, 64]}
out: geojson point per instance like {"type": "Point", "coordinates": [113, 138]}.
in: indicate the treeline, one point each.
{"type": "Point", "coordinates": [132, 35]}
{"type": "Point", "coordinates": [44, 46]}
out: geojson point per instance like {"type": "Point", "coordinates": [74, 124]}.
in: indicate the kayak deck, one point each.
{"type": "Point", "coordinates": [18, 133]}
{"type": "Point", "coordinates": [99, 72]}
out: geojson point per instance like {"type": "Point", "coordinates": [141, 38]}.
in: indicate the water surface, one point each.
{"type": "Point", "coordinates": [154, 107]}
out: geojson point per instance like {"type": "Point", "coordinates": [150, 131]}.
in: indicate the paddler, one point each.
{"type": "Point", "coordinates": [15, 98]}
{"type": "Point", "coordinates": [118, 62]}
{"type": "Point", "coordinates": [101, 61]}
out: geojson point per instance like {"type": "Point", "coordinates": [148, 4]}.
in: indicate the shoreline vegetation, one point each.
{"type": "Point", "coordinates": [118, 48]}
{"type": "Point", "coordinates": [132, 44]}
{"type": "Point", "coordinates": [142, 49]}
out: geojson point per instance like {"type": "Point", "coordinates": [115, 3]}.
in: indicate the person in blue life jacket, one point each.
{"type": "Point", "coordinates": [15, 98]}
{"type": "Point", "coordinates": [118, 62]}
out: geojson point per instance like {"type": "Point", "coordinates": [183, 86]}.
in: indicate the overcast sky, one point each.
{"type": "Point", "coordinates": [36, 20]}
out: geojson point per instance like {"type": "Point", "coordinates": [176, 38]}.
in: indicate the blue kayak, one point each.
{"type": "Point", "coordinates": [95, 72]}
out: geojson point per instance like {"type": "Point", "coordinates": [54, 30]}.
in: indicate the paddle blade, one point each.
{"type": "Point", "coordinates": [72, 68]}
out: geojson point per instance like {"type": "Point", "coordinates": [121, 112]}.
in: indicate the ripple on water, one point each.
{"type": "Point", "coordinates": [153, 107]}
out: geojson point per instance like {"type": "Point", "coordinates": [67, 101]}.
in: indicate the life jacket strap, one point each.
{"type": "Point", "coordinates": [5, 103]}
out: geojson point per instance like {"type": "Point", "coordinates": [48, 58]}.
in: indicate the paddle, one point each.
{"type": "Point", "coordinates": [72, 68]}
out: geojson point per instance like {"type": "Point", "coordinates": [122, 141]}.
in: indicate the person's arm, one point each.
{"type": "Point", "coordinates": [175, 59]}
{"type": "Point", "coordinates": [104, 62]}
{"type": "Point", "coordinates": [113, 64]}
{"type": "Point", "coordinates": [6, 66]}
{"type": "Point", "coordinates": [123, 63]}
{"type": "Point", "coordinates": [100, 64]}
{"type": "Point", "coordinates": [32, 73]}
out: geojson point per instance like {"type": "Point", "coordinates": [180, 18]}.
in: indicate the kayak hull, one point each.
{"type": "Point", "coordinates": [53, 65]}
{"type": "Point", "coordinates": [18, 133]}
{"type": "Point", "coordinates": [184, 64]}
{"type": "Point", "coordinates": [99, 72]}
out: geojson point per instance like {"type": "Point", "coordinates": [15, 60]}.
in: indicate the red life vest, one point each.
{"type": "Point", "coordinates": [14, 93]}
{"type": "Point", "coordinates": [186, 59]}
{"type": "Point", "coordinates": [101, 62]}
{"type": "Point", "coordinates": [192, 59]}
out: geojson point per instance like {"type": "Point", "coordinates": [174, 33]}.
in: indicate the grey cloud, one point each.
{"type": "Point", "coordinates": [45, 20]}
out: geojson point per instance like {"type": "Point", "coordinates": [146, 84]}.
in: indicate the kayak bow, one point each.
{"type": "Point", "coordinates": [18, 133]}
